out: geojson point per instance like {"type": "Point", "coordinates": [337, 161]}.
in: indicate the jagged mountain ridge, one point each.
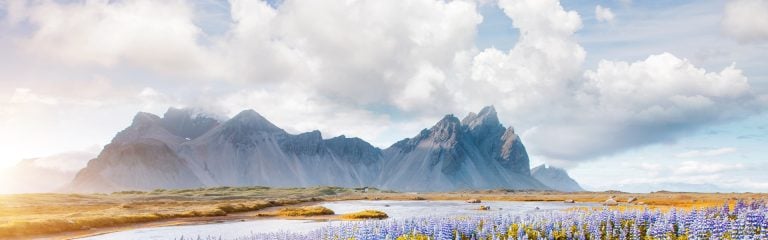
{"type": "Point", "coordinates": [467, 154]}
{"type": "Point", "coordinates": [183, 150]}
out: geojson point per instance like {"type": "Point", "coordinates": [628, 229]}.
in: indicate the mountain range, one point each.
{"type": "Point", "coordinates": [182, 149]}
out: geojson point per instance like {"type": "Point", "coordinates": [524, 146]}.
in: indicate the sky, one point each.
{"type": "Point", "coordinates": [631, 95]}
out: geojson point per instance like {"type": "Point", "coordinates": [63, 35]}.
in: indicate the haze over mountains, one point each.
{"type": "Point", "coordinates": [186, 150]}
{"type": "Point", "coordinates": [44, 174]}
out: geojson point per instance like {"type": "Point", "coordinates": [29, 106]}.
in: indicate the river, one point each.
{"type": "Point", "coordinates": [395, 209]}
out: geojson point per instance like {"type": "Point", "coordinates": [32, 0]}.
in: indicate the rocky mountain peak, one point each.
{"type": "Point", "coordinates": [448, 121]}
{"type": "Point", "coordinates": [251, 120]}
{"type": "Point", "coordinates": [144, 125]}
{"type": "Point", "coordinates": [177, 113]}
{"type": "Point", "coordinates": [486, 117]}
{"type": "Point", "coordinates": [184, 122]}
{"type": "Point", "coordinates": [446, 129]}
{"type": "Point", "coordinates": [144, 119]}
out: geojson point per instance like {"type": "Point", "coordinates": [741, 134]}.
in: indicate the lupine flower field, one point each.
{"type": "Point", "coordinates": [742, 221]}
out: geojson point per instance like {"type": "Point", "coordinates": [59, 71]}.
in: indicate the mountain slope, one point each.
{"type": "Point", "coordinates": [183, 150]}
{"type": "Point", "coordinates": [249, 150]}
{"type": "Point", "coordinates": [555, 178]}
{"type": "Point", "coordinates": [143, 156]}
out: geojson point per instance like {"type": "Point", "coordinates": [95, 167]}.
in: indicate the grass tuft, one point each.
{"type": "Point", "coordinates": [366, 214]}
{"type": "Point", "coordinates": [304, 211]}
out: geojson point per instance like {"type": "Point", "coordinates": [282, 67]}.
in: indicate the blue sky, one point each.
{"type": "Point", "coordinates": [640, 95]}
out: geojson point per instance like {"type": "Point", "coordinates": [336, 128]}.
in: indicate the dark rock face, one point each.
{"type": "Point", "coordinates": [502, 144]}
{"type": "Point", "coordinates": [513, 155]}
{"type": "Point", "coordinates": [354, 150]}
{"type": "Point", "coordinates": [183, 150]}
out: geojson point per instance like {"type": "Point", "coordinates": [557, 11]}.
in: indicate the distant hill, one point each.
{"type": "Point", "coordinates": [671, 187]}
{"type": "Point", "coordinates": [555, 178]}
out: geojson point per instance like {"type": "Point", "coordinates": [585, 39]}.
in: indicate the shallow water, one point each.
{"type": "Point", "coordinates": [395, 210]}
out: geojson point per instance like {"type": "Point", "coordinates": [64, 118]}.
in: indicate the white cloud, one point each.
{"type": "Point", "coordinates": [348, 67]}
{"type": "Point", "coordinates": [365, 52]}
{"type": "Point", "coordinates": [571, 116]}
{"type": "Point", "coordinates": [688, 168]}
{"type": "Point", "coordinates": [150, 34]}
{"type": "Point", "coordinates": [746, 20]}
{"type": "Point", "coordinates": [653, 168]}
{"type": "Point", "coordinates": [622, 105]}
{"type": "Point", "coordinates": [361, 52]}
{"type": "Point", "coordinates": [537, 71]}
{"type": "Point", "coordinates": [695, 167]}
{"type": "Point", "coordinates": [706, 152]}
{"type": "Point", "coordinates": [25, 95]}
{"type": "Point", "coordinates": [603, 14]}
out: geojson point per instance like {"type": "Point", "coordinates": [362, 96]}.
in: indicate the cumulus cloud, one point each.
{"type": "Point", "coordinates": [377, 69]}
{"type": "Point", "coordinates": [358, 51]}
{"type": "Point", "coordinates": [151, 34]}
{"type": "Point", "coordinates": [746, 20]}
{"type": "Point", "coordinates": [621, 105]}
{"type": "Point", "coordinates": [572, 115]}
{"type": "Point", "coordinates": [603, 14]}
{"type": "Point", "coordinates": [399, 47]}
{"type": "Point", "coordinates": [325, 59]}
{"type": "Point", "coordinates": [537, 71]}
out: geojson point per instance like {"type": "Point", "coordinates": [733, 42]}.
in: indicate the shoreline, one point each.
{"type": "Point", "coordinates": [234, 217]}
{"type": "Point", "coordinates": [191, 221]}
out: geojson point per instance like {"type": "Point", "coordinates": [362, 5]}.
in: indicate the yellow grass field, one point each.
{"type": "Point", "coordinates": [26, 215]}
